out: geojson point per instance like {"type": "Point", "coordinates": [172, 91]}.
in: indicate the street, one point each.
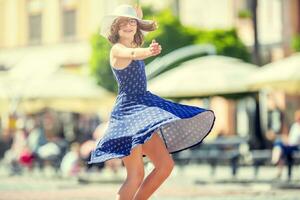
{"type": "Point", "coordinates": [190, 183]}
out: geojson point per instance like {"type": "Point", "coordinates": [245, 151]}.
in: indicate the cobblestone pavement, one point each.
{"type": "Point", "coordinates": [191, 183]}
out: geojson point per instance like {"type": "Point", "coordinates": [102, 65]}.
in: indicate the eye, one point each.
{"type": "Point", "coordinates": [132, 22]}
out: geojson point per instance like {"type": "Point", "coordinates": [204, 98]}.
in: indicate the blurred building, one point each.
{"type": "Point", "coordinates": [42, 23]}
{"type": "Point", "coordinates": [47, 22]}
{"type": "Point", "coordinates": [49, 26]}
{"type": "Point", "coordinates": [278, 21]}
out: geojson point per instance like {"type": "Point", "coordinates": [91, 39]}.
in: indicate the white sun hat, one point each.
{"type": "Point", "coordinates": [120, 11]}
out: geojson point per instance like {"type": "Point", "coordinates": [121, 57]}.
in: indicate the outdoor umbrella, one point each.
{"type": "Point", "coordinates": [280, 75]}
{"type": "Point", "coordinates": [204, 76]}
{"type": "Point", "coordinates": [67, 92]}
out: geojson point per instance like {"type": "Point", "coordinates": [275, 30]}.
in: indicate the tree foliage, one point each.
{"type": "Point", "coordinates": [296, 43]}
{"type": "Point", "coordinates": [227, 43]}
{"type": "Point", "coordinates": [99, 63]}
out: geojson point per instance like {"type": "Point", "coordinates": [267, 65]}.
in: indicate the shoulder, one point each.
{"type": "Point", "coordinates": [117, 49]}
{"type": "Point", "coordinates": [117, 46]}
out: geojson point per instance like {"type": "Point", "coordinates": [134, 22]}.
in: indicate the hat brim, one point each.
{"type": "Point", "coordinates": [108, 20]}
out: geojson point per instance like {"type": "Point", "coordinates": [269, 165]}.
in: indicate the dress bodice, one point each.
{"type": "Point", "coordinates": [132, 79]}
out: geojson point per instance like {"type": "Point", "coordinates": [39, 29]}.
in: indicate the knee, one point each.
{"type": "Point", "coordinates": [170, 166]}
{"type": "Point", "coordinates": [166, 167]}
{"type": "Point", "coordinates": [136, 178]}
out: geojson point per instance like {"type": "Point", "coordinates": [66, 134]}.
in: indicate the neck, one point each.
{"type": "Point", "coordinates": [127, 42]}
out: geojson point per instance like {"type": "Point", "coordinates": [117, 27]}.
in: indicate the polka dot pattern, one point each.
{"type": "Point", "coordinates": [138, 114]}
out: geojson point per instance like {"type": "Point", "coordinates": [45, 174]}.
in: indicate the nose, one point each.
{"type": "Point", "coordinates": [127, 25]}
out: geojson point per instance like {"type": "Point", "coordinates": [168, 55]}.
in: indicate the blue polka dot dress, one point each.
{"type": "Point", "coordinates": [138, 114]}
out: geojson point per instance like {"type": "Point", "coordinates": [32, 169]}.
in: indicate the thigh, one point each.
{"type": "Point", "coordinates": [134, 162]}
{"type": "Point", "coordinates": [156, 151]}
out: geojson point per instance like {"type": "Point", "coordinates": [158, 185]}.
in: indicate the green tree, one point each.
{"type": "Point", "coordinates": [171, 34]}
{"type": "Point", "coordinates": [99, 63]}
{"type": "Point", "coordinates": [296, 43]}
{"type": "Point", "coordinates": [227, 43]}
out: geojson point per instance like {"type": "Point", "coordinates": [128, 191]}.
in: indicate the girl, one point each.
{"type": "Point", "coordinates": [142, 123]}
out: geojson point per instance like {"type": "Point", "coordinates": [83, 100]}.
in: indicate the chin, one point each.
{"type": "Point", "coordinates": [127, 36]}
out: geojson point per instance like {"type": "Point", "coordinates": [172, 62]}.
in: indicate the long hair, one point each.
{"type": "Point", "coordinates": [138, 37]}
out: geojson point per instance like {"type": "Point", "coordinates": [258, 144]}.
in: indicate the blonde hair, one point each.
{"type": "Point", "coordinates": [138, 40]}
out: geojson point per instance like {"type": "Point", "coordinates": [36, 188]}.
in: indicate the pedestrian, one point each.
{"type": "Point", "coordinates": [294, 134]}
{"type": "Point", "coordinates": [142, 123]}
{"type": "Point", "coordinates": [283, 151]}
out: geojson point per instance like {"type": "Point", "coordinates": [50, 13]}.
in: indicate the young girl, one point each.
{"type": "Point", "coordinates": [142, 123]}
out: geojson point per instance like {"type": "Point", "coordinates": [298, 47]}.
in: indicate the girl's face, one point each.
{"type": "Point", "coordinates": [127, 27]}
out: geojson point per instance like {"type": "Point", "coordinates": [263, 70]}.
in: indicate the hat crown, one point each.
{"type": "Point", "coordinates": [120, 11]}
{"type": "Point", "coordinates": [125, 10]}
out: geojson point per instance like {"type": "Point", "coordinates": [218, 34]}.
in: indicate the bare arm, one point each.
{"type": "Point", "coordinates": [121, 51]}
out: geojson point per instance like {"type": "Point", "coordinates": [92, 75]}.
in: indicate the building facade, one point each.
{"type": "Point", "coordinates": [278, 21]}
{"type": "Point", "coordinates": [43, 22]}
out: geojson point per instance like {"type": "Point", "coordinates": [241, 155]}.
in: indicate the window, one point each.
{"type": "Point", "coordinates": [69, 19]}
{"type": "Point", "coordinates": [69, 24]}
{"type": "Point", "coordinates": [35, 29]}
{"type": "Point", "coordinates": [249, 4]}
{"type": "Point", "coordinates": [34, 9]}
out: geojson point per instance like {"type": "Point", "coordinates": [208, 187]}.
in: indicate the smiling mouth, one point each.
{"type": "Point", "coordinates": [128, 31]}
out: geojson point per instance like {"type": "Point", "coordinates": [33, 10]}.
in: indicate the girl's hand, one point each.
{"type": "Point", "coordinates": [139, 11]}
{"type": "Point", "coordinates": [155, 48]}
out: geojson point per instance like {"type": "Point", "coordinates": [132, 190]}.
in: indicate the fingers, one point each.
{"type": "Point", "coordinates": [158, 50]}
{"type": "Point", "coordinates": [155, 48]}
{"type": "Point", "coordinates": [155, 51]}
{"type": "Point", "coordinates": [154, 43]}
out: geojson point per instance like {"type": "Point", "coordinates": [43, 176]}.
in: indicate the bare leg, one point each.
{"type": "Point", "coordinates": [280, 166]}
{"type": "Point", "coordinates": [277, 160]}
{"type": "Point", "coordinates": [156, 151]}
{"type": "Point", "coordinates": [135, 174]}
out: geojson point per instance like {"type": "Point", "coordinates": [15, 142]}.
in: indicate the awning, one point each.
{"type": "Point", "coordinates": [281, 75]}
{"type": "Point", "coordinates": [35, 80]}
{"type": "Point", "coordinates": [204, 76]}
